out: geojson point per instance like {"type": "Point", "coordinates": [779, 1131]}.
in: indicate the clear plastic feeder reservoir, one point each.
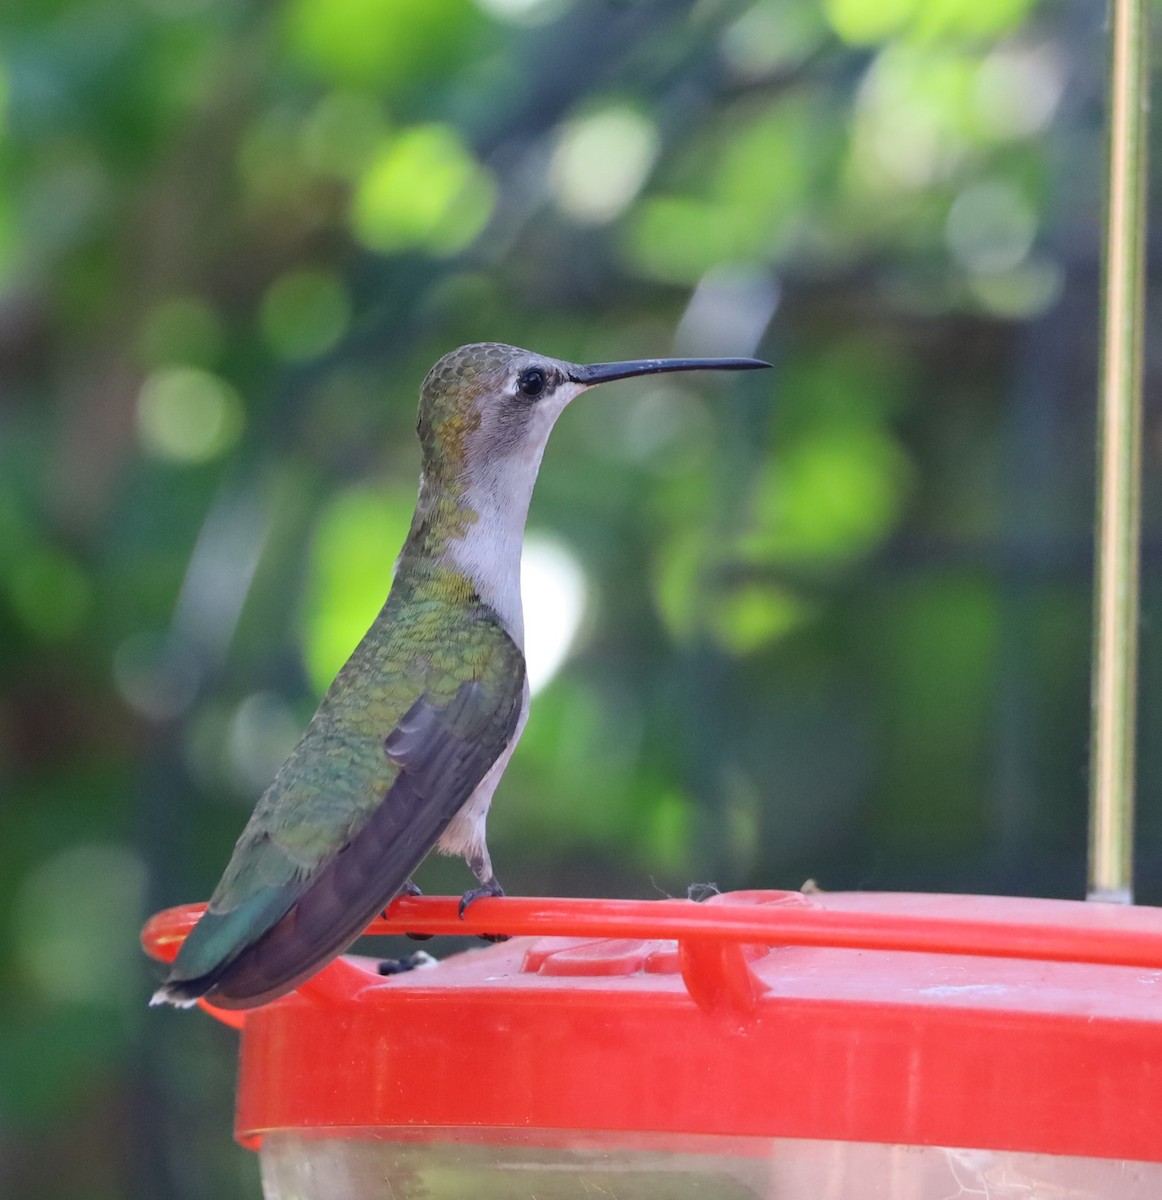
{"type": "Point", "coordinates": [761, 1045]}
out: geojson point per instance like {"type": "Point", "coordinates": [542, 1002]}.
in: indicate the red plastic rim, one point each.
{"type": "Point", "coordinates": [1017, 1024]}
{"type": "Point", "coordinates": [1112, 935]}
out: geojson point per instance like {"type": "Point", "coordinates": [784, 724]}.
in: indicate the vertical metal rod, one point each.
{"type": "Point", "coordinates": [1119, 463]}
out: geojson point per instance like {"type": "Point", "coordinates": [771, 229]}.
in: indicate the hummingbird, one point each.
{"type": "Point", "coordinates": [412, 737]}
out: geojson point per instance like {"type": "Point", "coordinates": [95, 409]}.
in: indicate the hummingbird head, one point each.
{"type": "Point", "coordinates": [486, 412]}
{"type": "Point", "coordinates": [487, 407]}
{"type": "Point", "coordinates": [487, 404]}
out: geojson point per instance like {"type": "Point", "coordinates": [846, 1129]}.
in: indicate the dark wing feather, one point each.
{"type": "Point", "coordinates": [441, 753]}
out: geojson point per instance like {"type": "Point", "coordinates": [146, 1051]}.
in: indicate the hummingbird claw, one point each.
{"type": "Point", "coordinates": [410, 889]}
{"type": "Point", "coordinates": [491, 887]}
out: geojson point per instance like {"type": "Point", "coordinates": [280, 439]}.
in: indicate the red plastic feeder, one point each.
{"type": "Point", "coordinates": [762, 1044]}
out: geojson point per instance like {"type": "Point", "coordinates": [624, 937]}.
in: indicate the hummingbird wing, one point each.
{"type": "Point", "coordinates": [380, 772]}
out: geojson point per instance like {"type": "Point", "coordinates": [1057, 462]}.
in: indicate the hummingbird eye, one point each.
{"type": "Point", "coordinates": [531, 382]}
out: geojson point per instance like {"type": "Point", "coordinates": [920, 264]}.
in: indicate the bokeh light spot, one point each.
{"type": "Point", "coordinates": [356, 542]}
{"type": "Point", "coordinates": [50, 593]}
{"type": "Point", "coordinates": [835, 493]}
{"type": "Point", "coordinates": [304, 313]}
{"type": "Point", "coordinates": [729, 311]}
{"type": "Point", "coordinates": [524, 12]}
{"type": "Point", "coordinates": [601, 162]}
{"type": "Point", "coordinates": [748, 618]}
{"type": "Point", "coordinates": [677, 579]}
{"type": "Point", "coordinates": [968, 18]}
{"type": "Point", "coordinates": [667, 828]}
{"type": "Point", "coordinates": [263, 731]}
{"type": "Point", "coordinates": [1018, 90]}
{"type": "Point", "coordinates": [865, 21]}
{"type": "Point", "coordinates": [914, 118]}
{"type": "Point", "coordinates": [186, 414]}
{"type": "Point", "coordinates": [990, 227]}
{"type": "Point", "coordinates": [375, 43]}
{"type": "Point", "coordinates": [771, 35]}
{"type": "Point", "coordinates": [1023, 292]}
{"type": "Point", "coordinates": [423, 189]}
{"type": "Point", "coordinates": [553, 593]}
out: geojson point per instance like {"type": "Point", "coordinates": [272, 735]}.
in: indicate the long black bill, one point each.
{"type": "Point", "coordinates": [607, 372]}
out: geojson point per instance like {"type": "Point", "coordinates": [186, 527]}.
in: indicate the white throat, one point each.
{"type": "Point", "coordinates": [489, 552]}
{"type": "Point", "coordinates": [499, 489]}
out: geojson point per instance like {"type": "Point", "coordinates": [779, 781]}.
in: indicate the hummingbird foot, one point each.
{"type": "Point", "coordinates": [408, 889]}
{"type": "Point", "coordinates": [411, 889]}
{"type": "Point", "coordinates": [488, 887]}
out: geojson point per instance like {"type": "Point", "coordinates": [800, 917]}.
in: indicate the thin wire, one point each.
{"type": "Point", "coordinates": [1119, 464]}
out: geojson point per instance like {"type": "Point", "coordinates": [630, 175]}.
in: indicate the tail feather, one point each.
{"type": "Point", "coordinates": [346, 895]}
{"type": "Point", "coordinates": [216, 943]}
{"type": "Point", "coordinates": [332, 911]}
{"type": "Point", "coordinates": [268, 945]}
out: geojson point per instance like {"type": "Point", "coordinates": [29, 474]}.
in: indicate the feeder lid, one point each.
{"type": "Point", "coordinates": [943, 1020]}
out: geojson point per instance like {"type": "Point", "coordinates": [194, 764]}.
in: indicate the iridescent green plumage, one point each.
{"type": "Point", "coordinates": [435, 652]}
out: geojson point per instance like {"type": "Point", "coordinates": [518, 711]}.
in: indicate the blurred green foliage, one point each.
{"type": "Point", "coordinates": [830, 622]}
